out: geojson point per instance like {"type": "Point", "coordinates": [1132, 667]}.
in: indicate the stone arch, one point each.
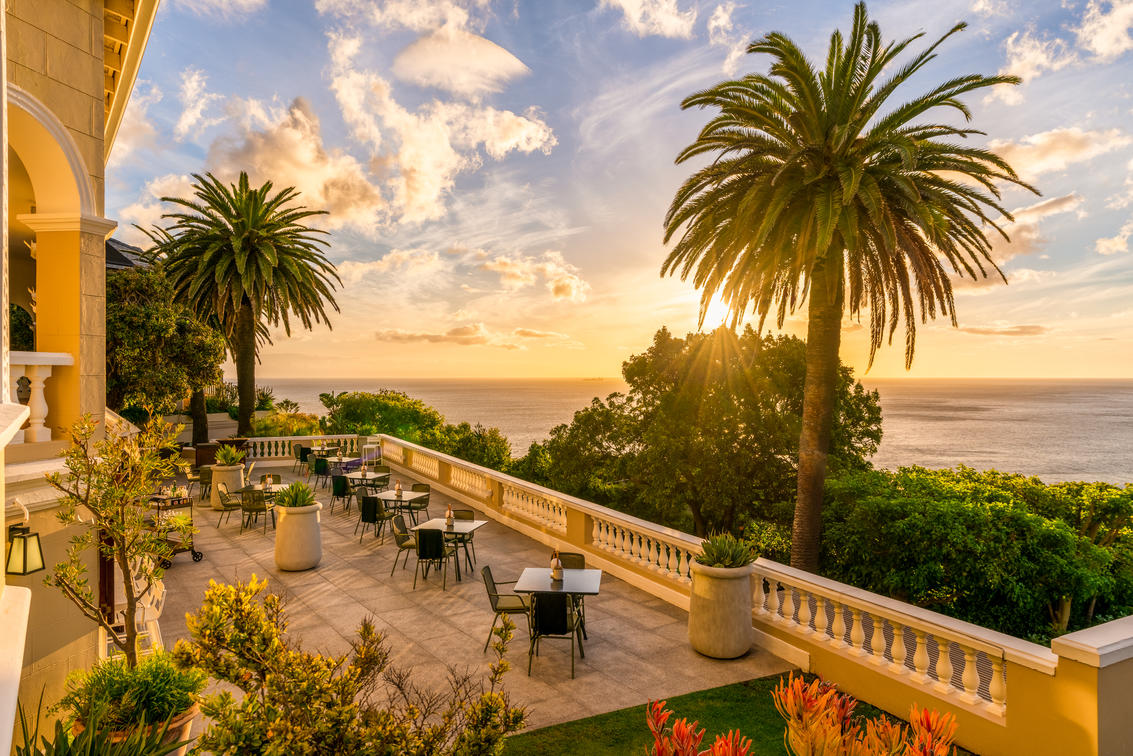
{"type": "Point", "coordinates": [54, 164]}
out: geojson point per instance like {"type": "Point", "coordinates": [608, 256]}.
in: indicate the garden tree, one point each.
{"type": "Point", "coordinates": [105, 495]}
{"type": "Point", "coordinates": [822, 189]}
{"type": "Point", "coordinates": [306, 704]}
{"type": "Point", "coordinates": [157, 351]}
{"type": "Point", "coordinates": [705, 437]}
{"type": "Point", "coordinates": [384, 411]}
{"type": "Point", "coordinates": [487, 447]}
{"type": "Point", "coordinates": [245, 257]}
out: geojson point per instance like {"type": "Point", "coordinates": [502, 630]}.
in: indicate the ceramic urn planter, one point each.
{"type": "Point", "coordinates": [298, 540]}
{"type": "Point", "coordinates": [719, 614]}
{"type": "Point", "coordinates": [179, 730]}
{"type": "Point", "coordinates": [231, 476]}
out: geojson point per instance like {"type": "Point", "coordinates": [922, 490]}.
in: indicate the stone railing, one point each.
{"type": "Point", "coordinates": [1008, 695]}
{"type": "Point", "coordinates": [282, 447]}
{"type": "Point", "coordinates": [36, 367]}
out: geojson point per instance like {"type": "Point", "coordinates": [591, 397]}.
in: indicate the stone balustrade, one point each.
{"type": "Point", "coordinates": [36, 367]}
{"type": "Point", "coordinates": [1008, 695]}
{"type": "Point", "coordinates": [282, 447]}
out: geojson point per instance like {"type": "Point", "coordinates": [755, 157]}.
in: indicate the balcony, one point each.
{"type": "Point", "coordinates": [30, 372]}
{"type": "Point", "coordinates": [1009, 695]}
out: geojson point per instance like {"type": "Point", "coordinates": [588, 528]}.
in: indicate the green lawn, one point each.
{"type": "Point", "coordinates": [746, 706]}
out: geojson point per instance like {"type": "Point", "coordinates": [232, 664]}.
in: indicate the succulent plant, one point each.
{"type": "Point", "coordinates": [725, 550]}
{"type": "Point", "coordinates": [229, 455]}
{"type": "Point", "coordinates": [295, 495]}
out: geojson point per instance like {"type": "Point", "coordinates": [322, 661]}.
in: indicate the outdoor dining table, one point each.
{"type": "Point", "coordinates": [575, 582]}
{"type": "Point", "coordinates": [364, 477]}
{"type": "Point", "coordinates": [458, 527]}
{"type": "Point", "coordinates": [271, 489]}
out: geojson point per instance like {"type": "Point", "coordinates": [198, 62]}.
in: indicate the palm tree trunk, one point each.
{"type": "Point", "coordinates": [199, 412]}
{"type": "Point", "coordinates": [245, 368]}
{"type": "Point", "coordinates": [823, 339]}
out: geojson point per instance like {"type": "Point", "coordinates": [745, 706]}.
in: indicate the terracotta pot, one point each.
{"type": "Point", "coordinates": [178, 730]}
{"type": "Point", "coordinates": [298, 539]}
{"type": "Point", "coordinates": [719, 613]}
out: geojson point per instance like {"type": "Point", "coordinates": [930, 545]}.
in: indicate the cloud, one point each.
{"type": "Point", "coordinates": [458, 61]}
{"type": "Point", "coordinates": [137, 131]}
{"type": "Point", "coordinates": [287, 148]}
{"type": "Point", "coordinates": [1057, 149]}
{"type": "Point", "coordinates": [1115, 244]}
{"type": "Point", "coordinates": [194, 101]}
{"type": "Point", "coordinates": [473, 334]}
{"type": "Point", "coordinates": [147, 209]}
{"type": "Point", "coordinates": [1125, 198]}
{"type": "Point", "coordinates": [519, 271]}
{"type": "Point", "coordinates": [1029, 56]}
{"type": "Point", "coordinates": [990, 7]}
{"type": "Point", "coordinates": [221, 9]}
{"type": "Point", "coordinates": [416, 15]}
{"type": "Point", "coordinates": [414, 262]}
{"type": "Point", "coordinates": [1007, 330]}
{"type": "Point", "coordinates": [654, 17]}
{"type": "Point", "coordinates": [1105, 29]}
{"type": "Point", "coordinates": [722, 33]}
{"type": "Point", "coordinates": [421, 152]}
{"type": "Point", "coordinates": [531, 333]}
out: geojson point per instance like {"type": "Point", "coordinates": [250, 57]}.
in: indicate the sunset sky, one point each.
{"type": "Point", "coordinates": [497, 172]}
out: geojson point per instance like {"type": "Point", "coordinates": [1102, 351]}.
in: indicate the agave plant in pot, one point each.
{"type": "Point", "coordinates": [298, 540]}
{"type": "Point", "coordinates": [719, 613]}
{"type": "Point", "coordinates": [229, 470]}
{"type": "Point", "coordinates": [155, 693]}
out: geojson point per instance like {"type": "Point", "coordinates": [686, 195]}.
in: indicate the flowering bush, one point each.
{"type": "Point", "coordinates": [683, 739]}
{"type": "Point", "coordinates": [820, 722]}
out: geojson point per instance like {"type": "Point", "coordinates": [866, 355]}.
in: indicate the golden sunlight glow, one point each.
{"type": "Point", "coordinates": [716, 315]}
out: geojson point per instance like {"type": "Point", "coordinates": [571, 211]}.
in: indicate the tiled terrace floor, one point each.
{"type": "Point", "coordinates": [637, 649]}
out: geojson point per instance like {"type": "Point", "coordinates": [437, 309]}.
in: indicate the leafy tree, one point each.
{"type": "Point", "coordinates": [822, 189]}
{"type": "Point", "coordinates": [286, 424]}
{"type": "Point", "coordinates": [244, 257]}
{"type": "Point", "coordinates": [302, 703]}
{"type": "Point", "coordinates": [487, 447]}
{"type": "Point", "coordinates": [157, 351]}
{"type": "Point", "coordinates": [105, 495]}
{"type": "Point", "coordinates": [706, 435]}
{"type": "Point", "coordinates": [384, 411]}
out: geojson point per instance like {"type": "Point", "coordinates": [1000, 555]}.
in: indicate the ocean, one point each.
{"type": "Point", "coordinates": [1055, 429]}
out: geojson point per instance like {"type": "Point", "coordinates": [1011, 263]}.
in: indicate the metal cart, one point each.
{"type": "Point", "coordinates": [162, 503]}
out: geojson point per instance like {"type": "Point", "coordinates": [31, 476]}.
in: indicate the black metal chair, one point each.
{"type": "Point", "coordinates": [228, 505]}
{"type": "Point", "coordinates": [322, 470]}
{"type": "Point", "coordinates": [300, 458]}
{"type": "Point", "coordinates": [572, 560]}
{"type": "Point", "coordinates": [253, 503]}
{"type": "Point", "coordinates": [553, 615]}
{"type": "Point", "coordinates": [503, 604]}
{"type": "Point", "coordinates": [372, 511]}
{"type": "Point", "coordinates": [432, 551]}
{"type": "Point", "coordinates": [421, 504]}
{"type": "Point", "coordinates": [271, 479]}
{"type": "Point", "coordinates": [340, 489]}
{"type": "Point", "coordinates": [405, 540]}
{"type": "Point", "coordinates": [464, 540]}
{"type": "Point", "coordinates": [205, 480]}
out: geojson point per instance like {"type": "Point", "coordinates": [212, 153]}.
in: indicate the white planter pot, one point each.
{"type": "Point", "coordinates": [298, 541]}
{"type": "Point", "coordinates": [231, 476]}
{"type": "Point", "coordinates": [719, 613]}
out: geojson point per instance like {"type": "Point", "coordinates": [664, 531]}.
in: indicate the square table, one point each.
{"type": "Point", "coordinates": [364, 477]}
{"type": "Point", "coordinates": [458, 527]}
{"type": "Point", "coordinates": [574, 582]}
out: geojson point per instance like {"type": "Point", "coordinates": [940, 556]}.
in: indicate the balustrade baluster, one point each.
{"type": "Point", "coordinates": [857, 634]}
{"type": "Point", "coordinates": [821, 620]}
{"type": "Point", "coordinates": [804, 612]}
{"type": "Point", "coordinates": [997, 687]}
{"type": "Point", "coordinates": [877, 641]}
{"type": "Point", "coordinates": [758, 596]}
{"type": "Point", "coordinates": [944, 665]}
{"type": "Point", "coordinates": [970, 676]}
{"type": "Point", "coordinates": [773, 599]}
{"type": "Point", "coordinates": [920, 656]}
{"type": "Point", "coordinates": [838, 626]}
{"type": "Point", "coordinates": [789, 604]}
{"type": "Point", "coordinates": [897, 650]}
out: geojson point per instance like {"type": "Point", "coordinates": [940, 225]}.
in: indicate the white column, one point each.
{"type": "Point", "coordinates": [37, 404]}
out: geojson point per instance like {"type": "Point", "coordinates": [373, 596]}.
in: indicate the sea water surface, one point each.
{"type": "Point", "coordinates": [1055, 429]}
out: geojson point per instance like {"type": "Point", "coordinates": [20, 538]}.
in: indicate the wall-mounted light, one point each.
{"type": "Point", "coordinates": [25, 555]}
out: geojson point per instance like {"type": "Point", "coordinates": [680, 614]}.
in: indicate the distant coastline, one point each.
{"type": "Point", "coordinates": [1057, 429]}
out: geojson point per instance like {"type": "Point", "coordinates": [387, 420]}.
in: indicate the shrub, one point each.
{"type": "Point", "coordinates": [153, 691]}
{"type": "Point", "coordinates": [385, 411]}
{"type": "Point", "coordinates": [97, 737]}
{"type": "Point", "coordinates": [265, 398]}
{"type": "Point", "coordinates": [725, 550]}
{"type": "Point", "coordinates": [487, 447]}
{"type": "Point", "coordinates": [298, 494]}
{"type": "Point", "coordinates": [302, 703]}
{"type": "Point", "coordinates": [281, 423]}
{"type": "Point", "coordinates": [287, 406]}
{"type": "Point", "coordinates": [222, 396]}
{"type": "Point", "coordinates": [229, 455]}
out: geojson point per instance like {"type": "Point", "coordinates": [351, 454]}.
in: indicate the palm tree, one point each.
{"type": "Point", "coordinates": [243, 258]}
{"type": "Point", "coordinates": [821, 189]}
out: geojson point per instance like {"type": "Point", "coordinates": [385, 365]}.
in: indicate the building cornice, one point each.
{"type": "Point", "coordinates": [86, 224]}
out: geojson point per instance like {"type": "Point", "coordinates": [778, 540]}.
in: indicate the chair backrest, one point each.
{"type": "Point", "coordinates": [430, 544]}
{"type": "Point", "coordinates": [304, 452]}
{"type": "Point", "coordinates": [339, 485]}
{"type": "Point", "coordinates": [421, 501]}
{"type": "Point", "coordinates": [322, 467]}
{"type": "Point", "coordinates": [206, 475]}
{"type": "Point", "coordinates": [253, 499]}
{"type": "Point", "coordinates": [222, 492]}
{"type": "Point", "coordinates": [420, 487]}
{"type": "Point", "coordinates": [401, 535]}
{"type": "Point", "coordinates": [248, 474]}
{"type": "Point", "coordinates": [297, 450]}
{"type": "Point", "coordinates": [490, 584]}
{"type": "Point", "coordinates": [382, 469]}
{"type": "Point", "coordinates": [464, 514]}
{"type": "Point", "coordinates": [371, 507]}
{"type": "Point", "coordinates": [572, 560]}
{"type": "Point", "coordinates": [550, 614]}
{"type": "Point", "coordinates": [273, 478]}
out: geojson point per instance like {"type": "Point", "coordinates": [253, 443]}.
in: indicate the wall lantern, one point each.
{"type": "Point", "coordinates": [25, 555]}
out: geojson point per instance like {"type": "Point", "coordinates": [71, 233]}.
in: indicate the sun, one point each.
{"type": "Point", "coordinates": [716, 315]}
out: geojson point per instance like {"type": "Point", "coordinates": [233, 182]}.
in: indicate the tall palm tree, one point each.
{"type": "Point", "coordinates": [822, 189]}
{"type": "Point", "coordinates": [242, 257]}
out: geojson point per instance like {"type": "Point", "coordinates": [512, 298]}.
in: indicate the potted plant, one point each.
{"type": "Point", "coordinates": [719, 613]}
{"type": "Point", "coordinates": [298, 541]}
{"type": "Point", "coordinates": [94, 738]}
{"type": "Point", "coordinates": [229, 470]}
{"type": "Point", "coordinates": [140, 697]}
